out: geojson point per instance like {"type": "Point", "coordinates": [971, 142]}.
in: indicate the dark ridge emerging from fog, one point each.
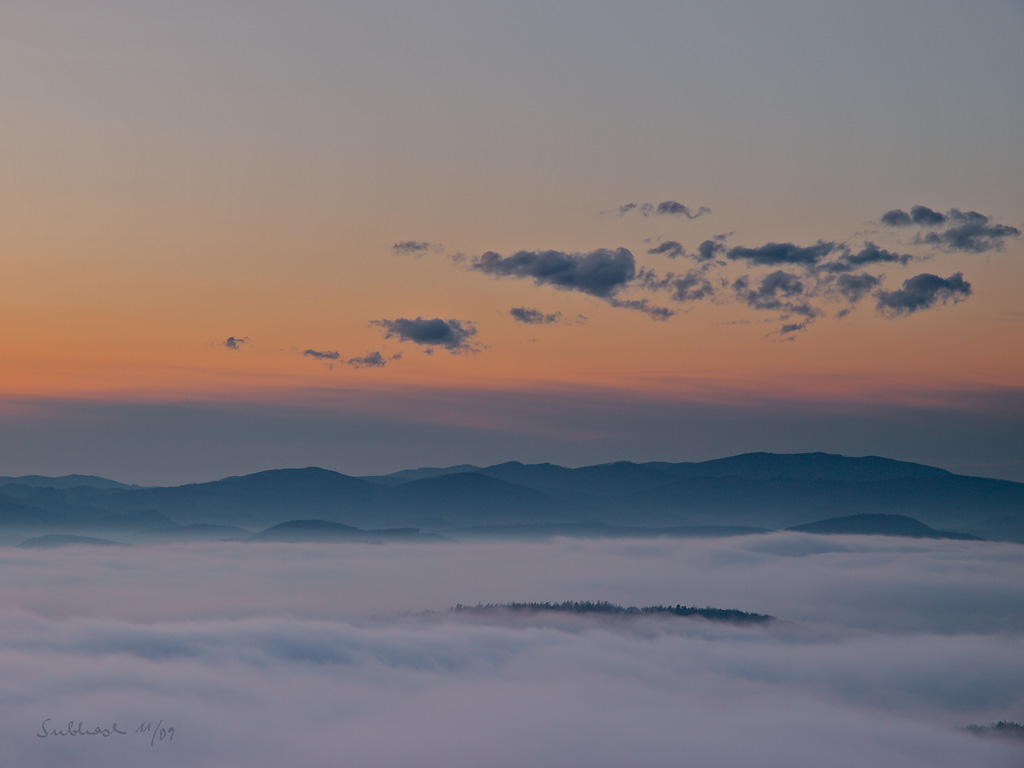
{"type": "Point", "coordinates": [880, 525]}
{"type": "Point", "coordinates": [600, 531]}
{"type": "Point", "coordinates": [324, 530]}
{"type": "Point", "coordinates": [605, 608]}
{"type": "Point", "coordinates": [1006, 729]}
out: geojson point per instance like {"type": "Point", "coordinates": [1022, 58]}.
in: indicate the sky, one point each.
{"type": "Point", "coordinates": [882, 652]}
{"type": "Point", "coordinates": [372, 236]}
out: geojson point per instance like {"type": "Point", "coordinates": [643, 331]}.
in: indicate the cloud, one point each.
{"type": "Point", "coordinates": [692, 286]}
{"type": "Point", "coordinates": [789, 328]}
{"type": "Point", "coordinates": [415, 247]}
{"type": "Point", "coordinates": [600, 273]}
{"type": "Point", "coordinates": [925, 216]}
{"type": "Point", "coordinates": [965, 231]}
{"type": "Point", "coordinates": [776, 254]}
{"type": "Point", "coordinates": [708, 250]}
{"type": "Point", "coordinates": [319, 355]}
{"type": "Point", "coordinates": [234, 343]}
{"type": "Point", "coordinates": [785, 277]}
{"type": "Point", "coordinates": [869, 254]}
{"type": "Point", "coordinates": [919, 214]}
{"type": "Point", "coordinates": [772, 292]}
{"type": "Point", "coordinates": [670, 248]}
{"type": "Point", "coordinates": [370, 360]}
{"type": "Point", "coordinates": [665, 208]}
{"type": "Point", "coordinates": [970, 232]}
{"type": "Point", "coordinates": [856, 287]}
{"type": "Point", "coordinates": [777, 291]}
{"type": "Point", "coordinates": [453, 335]}
{"type": "Point", "coordinates": [922, 292]}
{"type": "Point", "coordinates": [643, 305]}
{"type": "Point", "coordinates": [533, 316]}
{"type": "Point", "coordinates": [672, 208]}
{"type": "Point", "coordinates": [896, 218]}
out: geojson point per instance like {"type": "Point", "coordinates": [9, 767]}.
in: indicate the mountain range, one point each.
{"type": "Point", "coordinates": [755, 491]}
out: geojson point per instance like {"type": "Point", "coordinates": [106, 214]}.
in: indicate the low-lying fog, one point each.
{"type": "Point", "coordinates": [321, 655]}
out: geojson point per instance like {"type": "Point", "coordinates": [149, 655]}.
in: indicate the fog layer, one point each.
{"type": "Point", "coordinates": [289, 654]}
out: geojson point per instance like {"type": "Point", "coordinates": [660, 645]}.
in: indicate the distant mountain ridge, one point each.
{"type": "Point", "coordinates": [750, 491]}
{"type": "Point", "coordinates": [879, 525]}
{"type": "Point", "coordinates": [64, 481]}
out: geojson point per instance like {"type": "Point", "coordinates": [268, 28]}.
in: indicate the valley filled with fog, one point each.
{"type": "Point", "coordinates": [882, 651]}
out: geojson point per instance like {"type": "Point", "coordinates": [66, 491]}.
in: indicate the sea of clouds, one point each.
{"type": "Point", "coordinates": [270, 655]}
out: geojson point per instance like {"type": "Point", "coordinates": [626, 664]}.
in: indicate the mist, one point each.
{"type": "Point", "coordinates": [882, 651]}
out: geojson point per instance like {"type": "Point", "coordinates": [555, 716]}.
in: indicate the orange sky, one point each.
{"type": "Point", "coordinates": [176, 177]}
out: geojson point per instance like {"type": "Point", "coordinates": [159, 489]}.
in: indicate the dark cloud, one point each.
{"type": "Point", "coordinates": [650, 280]}
{"type": "Point", "coordinates": [773, 292]}
{"type": "Point", "coordinates": [316, 354]}
{"type": "Point", "coordinates": [370, 360]}
{"type": "Point", "coordinates": [453, 335]}
{"type": "Point", "coordinates": [711, 249]}
{"type": "Point", "coordinates": [234, 343]}
{"type": "Point", "coordinates": [869, 254]}
{"type": "Point", "coordinates": [922, 292]}
{"type": "Point", "coordinates": [665, 208]}
{"type": "Point", "coordinates": [966, 231]}
{"type": "Point", "coordinates": [919, 214]}
{"type": "Point", "coordinates": [706, 251]}
{"type": "Point", "coordinates": [643, 305]}
{"type": "Point", "coordinates": [599, 273]}
{"type": "Point", "coordinates": [856, 287]}
{"type": "Point", "coordinates": [872, 254]}
{"type": "Point", "coordinates": [925, 216]}
{"type": "Point", "coordinates": [529, 316]}
{"type": "Point", "coordinates": [896, 218]}
{"type": "Point", "coordinates": [970, 232]}
{"type": "Point", "coordinates": [779, 292]}
{"type": "Point", "coordinates": [670, 248]}
{"type": "Point", "coordinates": [692, 286]}
{"type": "Point", "coordinates": [672, 208]}
{"type": "Point", "coordinates": [416, 247]}
{"type": "Point", "coordinates": [775, 254]}
{"type": "Point", "coordinates": [789, 328]}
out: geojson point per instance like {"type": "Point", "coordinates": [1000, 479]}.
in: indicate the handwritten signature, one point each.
{"type": "Point", "coordinates": [156, 733]}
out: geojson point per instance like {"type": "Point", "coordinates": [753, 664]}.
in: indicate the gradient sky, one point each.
{"type": "Point", "coordinates": [225, 230]}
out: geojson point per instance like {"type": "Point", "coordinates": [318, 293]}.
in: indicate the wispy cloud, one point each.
{"type": "Point", "coordinates": [528, 316]}
{"type": "Point", "coordinates": [322, 355]}
{"type": "Point", "coordinates": [415, 247]}
{"type": "Point", "coordinates": [373, 359]}
{"type": "Point", "coordinates": [664, 208]}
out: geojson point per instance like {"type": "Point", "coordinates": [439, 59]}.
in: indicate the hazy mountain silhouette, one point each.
{"type": "Point", "coordinates": [51, 541]}
{"type": "Point", "coordinates": [64, 481]}
{"type": "Point", "coordinates": [406, 475]}
{"type": "Point", "coordinates": [194, 532]}
{"type": "Point", "coordinates": [324, 531]}
{"type": "Point", "coordinates": [755, 491]}
{"type": "Point", "coordinates": [880, 525]}
{"type": "Point", "coordinates": [597, 531]}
